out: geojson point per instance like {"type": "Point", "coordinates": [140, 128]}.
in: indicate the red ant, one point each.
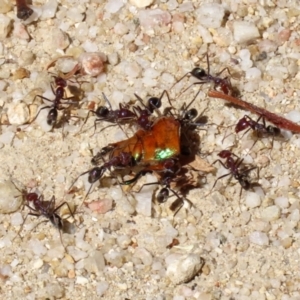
{"type": "Point", "coordinates": [23, 11]}
{"type": "Point", "coordinates": [39, 207]}
{"type": "Point", "coordinates": [234, 166]}
{"type": "Point", "coordinates": [58, 89]}
{"type": "Point", "coordinates": [262, 129]}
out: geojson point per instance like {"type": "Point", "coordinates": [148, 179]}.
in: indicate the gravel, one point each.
{"type": "Point", "coordinates": [222, 244]}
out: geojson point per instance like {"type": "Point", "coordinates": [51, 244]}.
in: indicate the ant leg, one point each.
{"type": "Point", "coordinates": [38, 114]}
{"type": "Point", "coordinates": [136, 177]}
{"type": "Point", "coordinates": [61, 205]}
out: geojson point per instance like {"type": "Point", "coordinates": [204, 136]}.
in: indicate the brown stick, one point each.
{"type": "Point", "coordinates": [271, 117]}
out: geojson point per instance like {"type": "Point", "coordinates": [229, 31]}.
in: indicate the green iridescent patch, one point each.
{"type": "Point", "coordinates": [163, 154]}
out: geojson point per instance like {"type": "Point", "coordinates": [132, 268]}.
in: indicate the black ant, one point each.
{"type": "Point", "coordinates": [219, 83]}
{"type": "Point", "coordinates": [23, 10]}
{"type": "Point", "coordinates": [124, 114]}
{"type": "Point", "coordinates": [234, 166]}
{"type": "Point", "coordinates": [123, 160]}
{"type": "Point", "coordinates": [58, 89]}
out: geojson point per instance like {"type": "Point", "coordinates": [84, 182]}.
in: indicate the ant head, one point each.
{"type": "Point", "coordinates": [144, 122]}
{"type": "Point", "coordinates": [31, 197]}
{"type": "Point", "coordinates": [102, 111]}
{"type": "Point", "coordinates": [154, 103]}
{"type": "Point", "coordinates": [225, 154]}
{"type": "Point", "coordinates": [163, 195]}
{"type": "Point", "coordinates": [199, 73]}
{"type": "Point", "coordinates": [190, 114]}
{"type": "Point", "coordinates": [241, 125]}
{"type": "Point", "coordinates": [52, 116]}
{"type": "Point", "coordinates": [95, 174]}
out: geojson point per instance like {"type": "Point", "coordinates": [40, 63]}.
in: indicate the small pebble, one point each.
{"type": "Point", "coordinates": [113, 6]}
{"type": "Point", "coordinates": [101, 288]}
{"type": "Point", "coordinates": [10, 197]}
{"type": "Point", "coordinates": [154, 17]}
{"type": "Point", "coordinates": [271, 213]}
{"type": "Point", "coordinates": [282, 202]}
{"type": "Point", "coordinates": [37, 264]}
{"type": "Point", "coordinates": [5, 26]}
{"type": "Point", "coordinates": [210, 15]}
{"type": "Point", "coordinates": [6, 6]}
{"type": "Point", "coordinates": [49, 10]}
{"type": "Point", "coordinates": [141, 3]}
{"type": "Point", "coordinates": [294, 116]}
{"type": "Point", "coordinates": [184, 268]}
{"type": "Point", "coordinates": [144, 255]}
{"type": "Point", "coordinates": [93, 63]}
{"type": "Point", "coordinates": [20, 31]}
{"type": "Point", "coordinates": [259, 238]}
{"type": "Point", "coordinates": [252, 200]}
{"type": "Point", "coordinates": [101, 206]}
{"type": "Point", "coordinates": [81, 280]}
{"type": "Point", "coordinates": [244, 31]}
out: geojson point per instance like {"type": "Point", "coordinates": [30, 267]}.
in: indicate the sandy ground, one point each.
{"type": "Point", "coordinates": [245, 246]}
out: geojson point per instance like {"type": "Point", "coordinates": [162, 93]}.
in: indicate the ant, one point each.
{"type": "Point", "coordinates": [39, 207]}
{"type": "Point", "coordinates": [122, 160]}
{"type": "Point", "coordinates": [219, 83]}
{"type": "Point", "coordinates": [260, 128]}
{"type": "Point", "coordinates": [58, 89]}
{"type": "Point", "coordinates": [124, 115]}
{"type": "Point", "coordinates": [234, 166]}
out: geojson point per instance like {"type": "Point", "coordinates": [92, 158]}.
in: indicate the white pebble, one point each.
{"type": "Point", "coordinates": [185, 268]}
{"type": "Point", "coordinates": [113, 58]}
{"type": "Point", "coordinates": [141, 3]}
{"type": "Point", "coordinates": [244, 31]}
{"type": "Point", "coordinates": [132, 69]}
{"type": "Point", "coordinates": [259, 238]}
{"type": "Point", "coordinates": [101, 288]}
{"type": "Point", "coordinates": [113, 6]}
{"type": "Point", "coordinates": [81, 280]}
{"type": "Point", "coordinates": [205, 34]}
{"type": "Point", "coordinates": [282, 202]}
{"type": "Point", "coordinates": [271, 213]}
{"type": "Point", "coordinates": [75, 15]}
{"type": "Point", "coordinates": [210, 15]}
{"type": "Point", "coordinates": [144, 255]}
{"type": "Point", "coordinates": [76, 253]}
{"type": "Point", "coordinates": [6, 138]}
{"type": "Point", "coordinates": [253, 74]}
{"type": "Point", "coordinates": [20, 31]}
{"type": "Point", "coordinates": [49, 10]}
{"type": "Point", "coordinates": [18, 113]}
{"type": "Point", "coordinates": [120, 29]}
{"type": "Point", "coordinates": [16, 219]}
{"type": "Point", "coordinates": [154, 17]}
{"type": "Point", "coordinates": [93, 63]}
{"type": "Point", "coordinates": [252, 200]}
{"type": "Point", "coordinates": [123, 241]}
{"type": "Point", "coordinates": [37, 264]}
{"type": "Point", "coordinates": [151, 73]}
{"type": "Point", "coordinates": [294, 116]}
{"type": "Point", "coordinates": [10, 198]}
{"type": "Point", "coordinates": [5, 26]}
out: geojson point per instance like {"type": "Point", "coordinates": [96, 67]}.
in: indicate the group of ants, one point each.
{"type": "Point", "coordinates": [161, 144]}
